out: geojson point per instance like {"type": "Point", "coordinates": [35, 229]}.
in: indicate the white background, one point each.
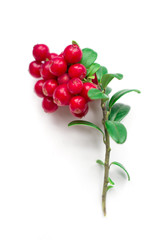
{"type": "Point", "coordinates": [50, 184]}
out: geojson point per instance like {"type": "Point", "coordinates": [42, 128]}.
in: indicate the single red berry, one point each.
{"type": "Point", "coordinates": [40, 52]}
{"type": "Point", "coordinates": [77, 104]}
{"type": "Point", "coordinates": [48, 105]}
{"type": "Point", "coordinates": [38, 88]}
{"type": "Point", "coordinates": [49, 87]}
{"type": "Point", "coordinates": [72, 54]}
{"type": "Point", "coordinates": [75, 86]}
{"type": "Point", "coordinates": [64, 78]}
{"type": "Point", "coordinates": [58, 66]}
{"type": "Point", "coordinates": [94, 80]}
{"type": "Point", "coordinates": [86, 87]}
{"type": "Point", "coordinates": [52, 56]}
{"type": "Point", "coordinates": [61, 95]}
{"type": "Point", "coordinates": [34, 69]}
{"type": "Point", "coordinates": [77, 71]}
{"type": "Point", "coordinates": [80, 115]}
{"type": "Point", "coordinates": [45, 72]}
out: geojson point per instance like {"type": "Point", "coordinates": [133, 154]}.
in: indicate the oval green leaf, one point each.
{"type": "Point", "coordinates": [89, 57]}
{"type": "Point", "coordinates": [108, 90]}
{"type": "Point", "coordinates": [118, 112]}
{"type": "Point", "coordinates": [106, 79]}
{"type": "Point", "coordinates": [110, 181]}
{"type": "Point", "coordinates": [102, 70]}
{"type": "Point", "coordinates": [100, 162]}
{"type": "Point", "coordinates": [119, 94]}
{"type": "Point", "coordinates": [123, 168]}
{"type": "Point", "coordinates": [95, 94]}
{"type": "Point", "coordinates": [117, 131]}
{"type": "Point", "coordinates": [93, 69]}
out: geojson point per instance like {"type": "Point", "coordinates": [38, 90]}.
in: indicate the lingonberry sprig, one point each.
{"type": "Point", "coordinates": [73, 78]}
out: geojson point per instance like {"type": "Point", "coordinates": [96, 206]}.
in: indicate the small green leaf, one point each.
{"type": "Point", "coordinates": [119, 94]}
{"type": "Point", "coordinates": [108, 77]}
{"type": "Point", "coordinates": [102, 70]}
{"type": "Point", "coordinates": [118, 112]}
{"type": "Point", "coordinates": [110, 181]}
{"type": "Point", "coordinates": [93, 69]}
{"type": "Point", "coordinates": [86, 123]}
{"type": "Point", "coordinates": [89, 57]}
{"type": "Point", "coordinates": [100, 162]}
{"type": "Point", "coordinates": [121, 166]}
{"type": "Point", "coordinates": [108, 90]}
{"type": "Point", "coordinates": [117, 131]}
{"type": "Point", "coordinates": [108, 187]}
{"type": "Point", "coordinates": [95, 93]}
{"type": "Point", "coordinates": [74, 42]}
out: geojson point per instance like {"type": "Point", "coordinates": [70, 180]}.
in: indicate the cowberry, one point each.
{"type": "Point", "coordinates": [94, 80]}
{"type": "Point", "coordinates": [75, 86]}
{"type": "Point", "coordinates": [52, 56]}
{"type": "Point", "coordinates": [72, 53]}
{"type": "Point", "coordinates": [77, 70]}
{"type": "Point", "coordinates": [45, 72]}
{"type": "Point", "coordinates": [58, 66]}
{"type": "Point", "coordinates": [49, 87]}
{"type": "Point", "coordinates": [48, 105]}
{"type": "Point", "coordinates": [38, 88]}
{"type": "Point", "coordinates": [61, 95]}
{"type": "Point", "coordinates": [80, 115]}
{"type": "Point", "coordinates": [40, 52]}
{"type": "Point", "coordinates": [64, 78]}
{"type": "Point", "coordinates": [77, 104]}
{"type": "Point", "coordinates": [34, 69]}
{"type": "Point", "coordinates": [86, 87]}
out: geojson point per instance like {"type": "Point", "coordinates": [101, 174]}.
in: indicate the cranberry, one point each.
{"type": "Point", "coordinates": [72, 54]}
{"type": "Point", "coordinates": [45, 72]}
{"type": "Point", "coordinates": [34, 69]}
{"type": "Point", "coordinates": [77, 70]}
{"type": "Point", "coordinates": [75, 85]}
{"type": "Point", "coordinates": [64, 78]}
{"type": "Point", "coordinates": [80, 115]}
{"type": "Point", "coordinates": [49, 87]}
{"type": "Point", "coordinates": [52, 56]}
{"type": "Point", "coordinates": [38, 88]}
{"type": "Point", "coordinates": [94, 80]}
{"type": "Point", "coordinates": [40, 52]}
{"type": "Point", "coordinates": [78, 104]}
{"type": "Point", "coordinates": [48, 105]}
{"type": "Point", "coordinates": [86, 87]}
{"type": "Point", "coordinates": [61, 95]}
{"type": "Point", "coordinates": [58, 66]}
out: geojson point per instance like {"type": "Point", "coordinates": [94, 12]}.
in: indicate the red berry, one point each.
{"type": "Point", "coordinates": [49, 87]}
{"type": "Point", "coordinates": [94, 80]}
{"type": "Point", "coordinates": [38, 88]}
{"type": "Point", "coordinates": [61, 55]}
{"type": "Point", "coordinates": [77, 104]}
{"type": "Point", "coordinates": [72, 54]}
{"type": "Point", "coordinates": [86, 87]}
{"type": "Point", "coordinates": [61, 95]}
{"type": "Point", "coordinates": [64, 78]}
{"type": "Point", "coordinates": [58, 66]}
{"type": "Point", "coordinates": [77, 70]}
{"type": "Point", "coordinates": [34, 69]}
{"type": "Point", "coordinates": [45, 72]}
{"type": "Point", "coordinates": [75, 85]}
{"type": "Point", "coordinates": [48, 105]}
{"type": "Point", "coordinates": [52, 56]}
{"type": "Point", "coordinates": [40, 52]}
{"type": "Point", "coordinates": [80, 115]}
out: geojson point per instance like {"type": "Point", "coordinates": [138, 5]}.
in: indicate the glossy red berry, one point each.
{"type": "Point", "coordinates": [75, 85]}
{"type": "Point", "coordinates": [45, 72]}
{"type": "Point", "coordinates": [61, 95]}
{"type": "Point", "coordinates": [64, 78]}
{"type": "Point", "coordinates": [86, 87]}
{"type": "Point", "coordinates": [48, 105]}
{"type": "Point", "coordinates": [94, 80]}
{"type": "Point", "coordinates": [78, 104]}
{"type": "Point", "coordinates": [38, 88]}
{"type": "Point", "coordinates": [80, 115]}
{"type": "Point", "coordinates": [77, 71]}
{"type": "Point", "coordinates": [40, 52]}
{"type": "Point", "coordinates": [34, 69]}
{"type": "Point", "coordinates": [58, 66]}
{"type": "Point", "coordinates": [52, 56]}
{"type": "Point", "coordinates": [49, 87]}
{"type": "Point", "coordinates": [72, 53]}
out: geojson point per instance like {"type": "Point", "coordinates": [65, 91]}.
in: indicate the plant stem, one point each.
{"type": "Point", "coordinates": [107, 157]}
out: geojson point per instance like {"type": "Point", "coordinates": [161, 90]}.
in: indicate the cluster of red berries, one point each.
{"type": "Point", "coordinates": [62, 79]}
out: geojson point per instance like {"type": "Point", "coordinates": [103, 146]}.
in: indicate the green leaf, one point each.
{"type": "Point", "coordinates": [95, 93]}
{"type": "Point", "coordinates": [89, 57]}
{"type": "Point", "coordinates": [108, 77]}
{"type": "Point", "coordinates": [117, 131]}
{"type": "Point", "coordinates": [86, 123]}
{"type": "Point", "coordinates": [93, 69]}
{"type": "Point", "coordinates": [118, 112]}
{"type": "Point", "coordinates": [100, 162]}
{"type": "Point", "coordinates": [119, 94]}
{"type": "Point", "coordinates": [108, 187]}
{"type": "Point", "coordinates": [110, 181]}
{"type": "Point", "coordinates": [121, 166]}
{"type": "Point", "coordinates": [102, 70]}
{"type": "Point", "coordinates": [74, 42]}
{"type": "Point", "coordinates": [108, 90]}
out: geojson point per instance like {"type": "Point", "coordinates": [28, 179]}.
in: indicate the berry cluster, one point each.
{"type": "Point", "coordinates": [62, 79]}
